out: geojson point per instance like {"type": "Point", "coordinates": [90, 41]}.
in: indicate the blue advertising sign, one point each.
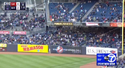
{"type": "Point", "coordinates": [106, 59]}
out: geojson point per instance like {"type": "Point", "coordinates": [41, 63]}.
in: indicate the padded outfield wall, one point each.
{"type": "Point", "coordinates": [55, 49]}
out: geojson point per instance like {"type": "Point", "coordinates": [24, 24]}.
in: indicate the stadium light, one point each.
{"type": "Point", "coordinates": [123, 26]}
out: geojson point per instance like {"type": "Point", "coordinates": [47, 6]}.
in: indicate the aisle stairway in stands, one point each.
{"type": "Point", "coordinates": [90, 11]}
{"type": "Point", "coordinates": [74, 7]}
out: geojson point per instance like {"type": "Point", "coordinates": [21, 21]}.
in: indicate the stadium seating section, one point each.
{"type": "Point", "coordinates": [60, 11]}
{"type": "Point", "coordinates": [105, 12]}
{"type": "Point", "coordinates": [102, 12]}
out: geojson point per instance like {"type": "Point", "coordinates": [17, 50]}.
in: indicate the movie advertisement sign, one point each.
{"type": "Point", "coordinates": [66, 50]}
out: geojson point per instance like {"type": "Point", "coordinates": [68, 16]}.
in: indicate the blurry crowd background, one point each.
{"type": "Point", "coordinates": [21, 19]}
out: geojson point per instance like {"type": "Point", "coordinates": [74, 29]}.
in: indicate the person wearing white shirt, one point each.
{"type": "Point", "coordinates": [97, 10]}
{"type": "Point", "coordinates": [72, 14]}
{"type": "Point", "coordinates": [85, 10]}
{"type": "Point", "coordinates": [64, 10]}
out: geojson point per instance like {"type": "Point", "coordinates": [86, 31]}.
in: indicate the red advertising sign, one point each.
{"type": "Point", "coordinates": [13, 4]}
{"type": "Point", "coordinates": [92, 24]}
{"type": "Point", "coordinates": [19, 32]}
{"type": "Point", "coordinates": [4, 32]}
{"type": "Point", "coordinates": [113, 24]}
{"type": "Point", "coordinates": [116, 24]}
{"type": "Point", "coordinates": [120, 25]}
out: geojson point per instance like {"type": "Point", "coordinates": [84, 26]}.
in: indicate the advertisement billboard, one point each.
{"type": "Point", "coordinates": [95, 50]}
{"type": "Point", "coordinates": [3, 47]}
{"type": "Point", "coordinates": [4, 32]}
{"type": "Point", "coordinates": [118, 24]}
{"type": "Point", "coordinates": [92, 24]}
{"type": "Point", "coordinates": [19, 32]}
{"type": "Point", "coordinates": [66, 50]}
{"type": "Point", "coordinates": [63, 23]}
{"type": "Point", "coordinates": [32, 48]}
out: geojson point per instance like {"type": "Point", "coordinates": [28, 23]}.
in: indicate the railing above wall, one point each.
{"type": "Point", "coordinates": [86, 24]}
{"type": "Point", "coordinates": [110, 0]}
{"type": "Point", "coordinates": [63, 1]}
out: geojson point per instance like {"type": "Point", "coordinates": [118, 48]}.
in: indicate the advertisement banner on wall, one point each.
{"type": "Point", "coordinates": [4, 32]}
{"type": "Point", "coordinates": [66, 50]}
{"type": "Point", "coordinates": [104, 24]}
{"type": "Point", "coordinates": [19, 32]}
{"type": "Point", "coordinates": [118, 24]}
{"type": "Point", "coordinates": [32, 48]}
{"type": "Point", "coordinates": [92, 24]}
{"type": "Point", "coordinates": [95, 50]}
{"type": "Point", "coordinates": [63, 23]}
{"type": "Point", "coordinates": [3, 47]}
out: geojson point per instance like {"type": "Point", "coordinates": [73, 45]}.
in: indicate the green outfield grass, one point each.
{"type": "Point", "coordinates": [31, 61]}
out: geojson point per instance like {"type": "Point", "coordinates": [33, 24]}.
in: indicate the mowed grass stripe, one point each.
{"type": "Point", "coordinates": [72, 60]}
{"type": "Point", "coordinates": [41, 60]}
{"type": "Point", "coordinates": [31, 58]}
{"type": "Point", "coordinates": [52, 62]}
{"type": "Point", "coordinates": [32, 61]}
{"type": "Point", "coordinates": [9, 62]}
{"type": "Point", "coordinates": [76, 63]}
{"type": "Point", "coordinates": [47, 61]}
{"type": "Point", "coordinates": [18, 62]}
{"type": "Point", "coordinates": [80, 63]}
{"type": "Point", "coordinates": [4, 64]}
{"type": "Point", "coordinates": [64, 61]}
{"type": "Point", "coordinates": [20, 57]}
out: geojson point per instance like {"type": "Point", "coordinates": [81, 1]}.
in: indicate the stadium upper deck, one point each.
{"type": "Point", "coordinates": [86, 11]}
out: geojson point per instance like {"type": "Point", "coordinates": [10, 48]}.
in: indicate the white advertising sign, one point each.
{"type": "Point", "coordinates": [95, 50]}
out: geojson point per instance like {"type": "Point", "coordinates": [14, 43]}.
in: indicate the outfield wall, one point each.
{"type": "Point", "coordinates": [55, 49]}
{"type": "Point", "coordinates": [11, 48]}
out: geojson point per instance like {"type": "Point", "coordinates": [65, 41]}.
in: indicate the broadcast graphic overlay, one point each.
{"type": "Point", "coordinates": [15, 5]}
{"type": "Point", "coordinates": [106, 59]}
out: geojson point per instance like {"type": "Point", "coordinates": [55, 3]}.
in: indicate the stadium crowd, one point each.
{"type": "Point", "coordinates": [106, 12]}
{"type": "Point", "coordinates": [61, 11]}
{"type": "Point", "coordinates": [74, 36]}
{"type": "Point", "coordinates": [21, 19]}
{"type": "Point", "coordinates": [102, 12]}
{"type": "Point", "coordinates": [121, 63]}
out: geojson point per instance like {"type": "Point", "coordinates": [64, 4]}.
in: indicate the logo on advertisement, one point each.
{"type": "Point", "coordinates": [38, 50]}
{"type": "Point", "coordinates": [97, 51]}
{"type": "Point", "coordinates": [112, 58]}
{"type": "Point", "coordinates": [59, 49]}
{"type": "Point", "coordinates": [112, 51]}
{"type": "Point", "coordinates": [2, 49]}
{"type": "Point", "coordinates": [106, 59]}
{"type": "Point", "coordinates": [3, 45]}
{"type": "Point", "coordinates": [26, 48]}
